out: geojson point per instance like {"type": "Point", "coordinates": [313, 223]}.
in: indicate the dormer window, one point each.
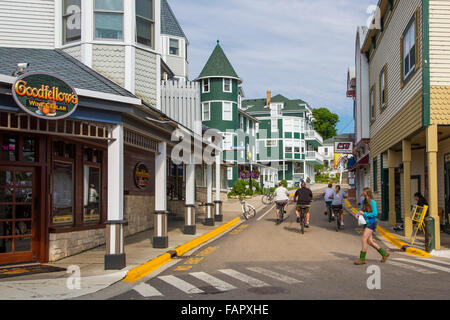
{"type": "Point", "coordinates": [227, 85]}
{"type": "Point", "coordinates": [108, 17]}
{"type": "Point", "coordinates": [145, 22]}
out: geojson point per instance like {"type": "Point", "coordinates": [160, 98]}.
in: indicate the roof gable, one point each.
{"type": "Point", "coordinates": [169, 23]}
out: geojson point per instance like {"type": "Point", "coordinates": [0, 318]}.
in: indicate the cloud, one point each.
{"type": "Point", "coordinates": [299, 48]}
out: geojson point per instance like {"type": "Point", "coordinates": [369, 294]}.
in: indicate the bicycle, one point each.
{"type": "Point", "coordinates": [248, 210]}
{"type": "Point", "coordinates": [330, 213]}
{"type": "Point", "coordinates": [282, 213]}
{"type": "Point", "coordinates": [268, 198]}
{"type": "Point", "coordinates": [337, 212]}
{"type": "Point", "coordinates": [302, 217]}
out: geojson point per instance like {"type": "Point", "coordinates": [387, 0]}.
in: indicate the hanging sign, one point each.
{"type": "Point", "coordinates": [141, 176]}
{"type": "Point", "coordinates": [45, 96]}
{"type": "Point", "coordinates": [343, 147]}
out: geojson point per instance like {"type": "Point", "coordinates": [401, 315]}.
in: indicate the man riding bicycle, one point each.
{"type": "Point", "coordinates": [327, 198]}
{"type": "Point", "coordinates": [281, 199]}
{"type": "Point", "coordinates": [303, 197]}
{"type": "Point", "coordinates": [338, 202]}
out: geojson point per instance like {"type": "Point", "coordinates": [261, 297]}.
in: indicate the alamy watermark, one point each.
{"type": "Point", "coordinates": [374, 281]}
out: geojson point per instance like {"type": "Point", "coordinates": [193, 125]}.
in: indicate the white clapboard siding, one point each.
{"type": "Point", "coordinates": [440, 42]}
{"type": "Point", "coordinates": [180, 101]}
{"type": "Point", "coordinates": [27, 23]}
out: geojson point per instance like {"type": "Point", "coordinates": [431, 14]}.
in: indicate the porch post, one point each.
{"type": "Point", "coordinates": [209, 204]}
{"type": "Point", "coordinates": [160, 238]}
{"type": "Point", "coordinates": [432, 150]}
{"type": "Point", "coordinates": [189, 216]}
{"type": "Point", "coordinates": [218, 202]}
{"type": "Point", "coordinates": [406, 147]}
{"type": "Point", "coordinates": [391, 164]}
{"type": "Point", "coordinates": [115, 258]}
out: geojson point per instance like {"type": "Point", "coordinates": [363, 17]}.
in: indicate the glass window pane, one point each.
{"type": "Point", "coordinates": [6, 178]}
{"type": "Point", "coordinates": [5, 195]}
{"type": "Point", "coordinates": [144, 8]}
{"type": "Point", "coordinates": [144, 31]}
{"type": "Point", "coordinates": [174, 47]}
{"type": "Point", "coordinates": [24, 195]}
{"type": "Point", "coordinates": [5, 244]}
{"type": "Point", "coordinates": [23, 212]}
{"type": "Point", "coordinates": [108, 26]}
{"type": "Point", "coordinates": [22, 244]}
{"type": "Point", "coordinates": [62, 193]}
{"type": "Point", "coordinates": [30, 149]}
{"type": "Point", "coordinates": [115, 5]}
{"type": "Point", "coordinates": [24, 179]}
{"type": "Point", "coordinates": [412, 57]}
{"type": "Point", "coordinates": [9, 148]}
{"type": "Point", "coordinates": [5, 212]}
{"type": "Point", "coordinates": [23, 228]}
{"type": "Point", "coordinates": [72, 20]}
{"type": "Point", "coordinates": [92, 194]}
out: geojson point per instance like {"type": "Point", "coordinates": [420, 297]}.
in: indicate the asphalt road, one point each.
{"type": "Point", "coordinates": [262, 261]}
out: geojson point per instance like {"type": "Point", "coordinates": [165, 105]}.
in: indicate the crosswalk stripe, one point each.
{"type": "Point", "coordinates": [439, 261]}
{"type": "Point", "coordinates": [425, 264]}
{"type": "Point", "coordinates": [181, 284]}
{"type": "Point", "coordinates": [244, 278]}
{"type": "Point", "coordinates": [410, 267]}
{"type": "Point", "coordinates": [295, 271]}
{"type": "Point", "coordinates": [213, 281]}
{"type": "Point", "coordinates": [274, 275]}
{"type": "Point", "coordinates": [147, 291]}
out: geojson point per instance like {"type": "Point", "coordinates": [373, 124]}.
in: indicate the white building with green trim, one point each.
{"type": "Point", "coordinates": [286, 139]}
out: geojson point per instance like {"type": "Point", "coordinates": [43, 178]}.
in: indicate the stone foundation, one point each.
{"type": "Point", "coordinates": [139, 212]}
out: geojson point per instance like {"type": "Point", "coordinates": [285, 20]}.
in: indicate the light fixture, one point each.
{"type": "Point", "coordinates": [20, 69]}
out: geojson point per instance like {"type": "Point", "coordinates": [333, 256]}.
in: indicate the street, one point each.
{"type": "Point", "coordinates": [260, 260]}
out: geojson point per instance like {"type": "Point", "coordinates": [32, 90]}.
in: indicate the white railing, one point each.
{"type": "Point", "coordinates": [180, 101]}
{"type": "Point", "coordinates": [311, 135]}
{"type": "Point", "coordinates": [314, 156]}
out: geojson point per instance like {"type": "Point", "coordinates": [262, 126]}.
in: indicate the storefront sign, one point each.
{"type": "Point", "coordinates": [343, 147]}
{"type": "Point", "coordinates": [141, 176]}
{"type": "Point", "coordinates": [45, 96]}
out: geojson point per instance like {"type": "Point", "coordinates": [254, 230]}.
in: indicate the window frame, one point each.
{"type": "Point", "coordinates": [203, 111]}
{"type": "Point", "coordinates": [372, 101]}
{"type": "Point", "coordinates": [151, 21]}
{"type": "Point", "coordinates": [224, 80]}
{"type": "Point", "coordinates": [112, 12]}
{"type": "Point", "coordinates": [208, 84]}
{"type": "Point", "coordinates": [383, 88]}
{"type": "Point", "coordinates": [230, 111]}
{"type": "Point", "coordinates": [414, 22]}
{"type": "Point", "coordinates": [275, 143]}
{"type": "Point", "coordinates": [65, 16]}
{"type": "Point", "coordinates": [179, 51]}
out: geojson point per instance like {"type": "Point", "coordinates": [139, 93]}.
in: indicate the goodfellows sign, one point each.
{"type": "Point", "coordinates": [45, 96]}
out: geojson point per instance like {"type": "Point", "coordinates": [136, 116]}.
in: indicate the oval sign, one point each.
{"type": "Point", "coordinates": [141, 176]}
{"type": "Point", "coordinates": [45, 96]}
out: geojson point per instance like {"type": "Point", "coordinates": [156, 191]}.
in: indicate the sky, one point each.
{"type": "Point", "coordinates": [301, 49]}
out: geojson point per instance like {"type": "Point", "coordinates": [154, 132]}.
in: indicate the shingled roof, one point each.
{"type": "Point", "coordinates": [218, 65]}
{"type": "Point", "coordinates": [61, 64]}
{"type": "Point", "coordinates": [259, 105]}
{"type": "Point", "coordinates": [169, 23]}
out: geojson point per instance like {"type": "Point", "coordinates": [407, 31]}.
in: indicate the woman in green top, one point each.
{"type": "Point", "coordinates": [370, 213]}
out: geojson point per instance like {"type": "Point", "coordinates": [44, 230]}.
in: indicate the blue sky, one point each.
{"type": "Point", "coordinates": [299, 48]}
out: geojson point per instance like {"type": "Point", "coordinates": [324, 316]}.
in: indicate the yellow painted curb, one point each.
{"type": "Point", "coordinates": [181, 250]}
{"type": "Point", "coordinates": [141, 271]}
{"type": "Point", "coordinates": [138, 273]}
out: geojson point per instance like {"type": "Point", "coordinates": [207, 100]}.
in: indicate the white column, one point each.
{"type": "Point", "coordinates": [161, 239]}
{"type": "Point", "coordinates": [209, 205]}
{"type": "Point", "coordinates": [189, 217]}
{"type": "Point", "coordinates": [115, 257]}
{"type": "Point", "coordinates": [87, 31]}
{"type": "Point", "coordinates": [218, 202]}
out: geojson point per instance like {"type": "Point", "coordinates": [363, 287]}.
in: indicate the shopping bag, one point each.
{"type": "Point", "coordinates": [361, 220]}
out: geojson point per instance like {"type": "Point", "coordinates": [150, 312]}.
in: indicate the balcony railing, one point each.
{"type": "Point", "coordinates": [314, 156]}
{"type": "Point", "coordinates": [313, 135]}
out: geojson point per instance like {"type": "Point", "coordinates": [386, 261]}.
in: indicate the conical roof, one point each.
{"type": "Point", "coordinates": [218, 65]}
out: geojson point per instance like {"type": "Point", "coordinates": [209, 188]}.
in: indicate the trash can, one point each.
{"type": "Point", "coordinates": [429, 234]}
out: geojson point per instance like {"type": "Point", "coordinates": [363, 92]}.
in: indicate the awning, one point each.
{"type": "Point", "coordinates": [362, 162]}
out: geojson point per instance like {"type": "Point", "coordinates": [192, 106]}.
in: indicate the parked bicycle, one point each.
{"type": "Point", "coordinates": [248, 210]}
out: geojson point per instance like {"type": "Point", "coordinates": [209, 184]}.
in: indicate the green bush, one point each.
{"type": "Point", "coordinates": [240, 188]}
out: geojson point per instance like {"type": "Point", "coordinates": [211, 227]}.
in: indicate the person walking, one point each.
{"type": "Point", "coordinates": [281, 199]}
{"type": "Point", "coordinates": [370, 213]}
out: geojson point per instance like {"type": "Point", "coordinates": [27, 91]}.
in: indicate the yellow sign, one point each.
{"type": "Point", "coordinates": [418, 216]}
{"type": "Point", "coordinates": [337, 159]}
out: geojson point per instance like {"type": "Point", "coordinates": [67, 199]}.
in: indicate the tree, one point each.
{"type": "Point", "coordinates": [326, 123]}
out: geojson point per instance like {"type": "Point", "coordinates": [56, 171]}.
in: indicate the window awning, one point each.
{"type": "Point", "coordinates": [362, 162]}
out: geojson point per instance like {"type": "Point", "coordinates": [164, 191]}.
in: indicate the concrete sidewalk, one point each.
{"type": "Point", "coordinates": [93, 277]}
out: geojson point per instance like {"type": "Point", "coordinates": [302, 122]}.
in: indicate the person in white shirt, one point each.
{"type": "Point", "coordinates": [338, 202]}
{"type": "Point", "coordinates": [327, 198]}
{"type": "Point", "coordinates": [281, 199]}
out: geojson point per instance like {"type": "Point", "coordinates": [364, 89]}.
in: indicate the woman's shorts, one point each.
{"type": "Point", "coordinates": [372, 226]}
{"type": "Point", "coordinates": [281, 204]}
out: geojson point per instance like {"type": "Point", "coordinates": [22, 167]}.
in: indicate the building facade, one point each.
{"type": "Point", "coordinates": [286, 139]}
{"type": "Point", "coordinates": [408, 108]}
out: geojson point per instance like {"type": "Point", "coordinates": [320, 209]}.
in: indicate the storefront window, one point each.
{"type": "Point", "coordinates": [9, 148]}
{"type": "Point", "coordinates": [62, 193]}
{"type": "Point", "coordinates": [92, 194]}
{"type": "Point", "coordinates": [30, 149]}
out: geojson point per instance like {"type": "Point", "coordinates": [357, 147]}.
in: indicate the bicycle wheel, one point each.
{"type": "Point", "coordinates": [330, 215]}
{"type": "Point", "coordinates": [302, 223]}
{"type": "Point", "coordinates": [246, 214]}
{"type": "Point", "coordinates": [338, 222]}
{"type": "Point", "coordinates": [251, 213]}
{"type": "Point", "coordinates": [265, 199]}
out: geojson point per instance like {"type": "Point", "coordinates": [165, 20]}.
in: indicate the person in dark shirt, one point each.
{"type": "Point", "coordinates": [421, 202]}
{"type": "Point", "coordinates": [303, 197]}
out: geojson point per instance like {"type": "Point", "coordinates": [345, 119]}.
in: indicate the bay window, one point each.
{"type": "Point", "coordinates": [145, 22]}
{"type": "Point", "coordinates": [108, 19]}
